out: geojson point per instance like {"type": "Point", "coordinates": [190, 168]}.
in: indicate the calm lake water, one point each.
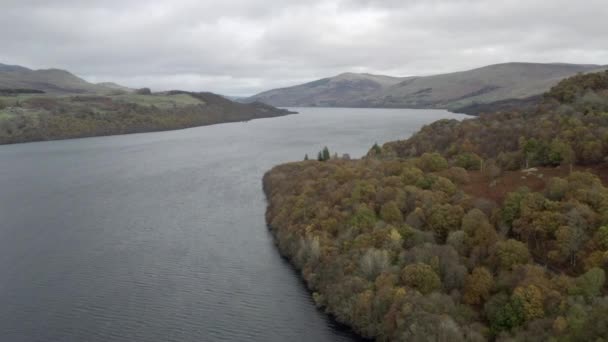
{"type": "Point", "coordinates": [161, 236]}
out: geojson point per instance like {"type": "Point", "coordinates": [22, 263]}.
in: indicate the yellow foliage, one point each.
{"type": "Point", "coordinates": [477, 286]}
{"type": "Point", "coordinates": [394, 235]}
{"type": "Point", "coordinates": [560, 325]}
{"type": "Point", "coordinates": [531, 298]}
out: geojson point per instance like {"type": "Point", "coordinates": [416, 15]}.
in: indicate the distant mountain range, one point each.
{"type": "Point", "coordinates": [52, 81]}
{"type": "Point", "coordinates": [473, 91]}
{"type": "Point", "coordinates": [494, 83]}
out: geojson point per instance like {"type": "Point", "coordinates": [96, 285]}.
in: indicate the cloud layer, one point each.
{"type": "Point", "coordinates": [240, 47]}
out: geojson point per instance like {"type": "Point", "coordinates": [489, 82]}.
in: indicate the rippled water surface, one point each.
{"type": "Point", "coordinates": [161, 236]}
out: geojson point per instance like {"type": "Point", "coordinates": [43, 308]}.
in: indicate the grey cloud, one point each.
{"type": "Point", "coordinates": [244, 46]}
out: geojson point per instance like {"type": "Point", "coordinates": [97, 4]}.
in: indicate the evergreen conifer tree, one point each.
{"type": "Point", "coordinates": [326, 155]}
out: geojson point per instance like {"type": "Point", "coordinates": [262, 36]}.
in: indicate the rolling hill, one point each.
{"type": "Point", "coordinates": [52, 81]}
{"type": "Point", "coordinates": [343, 90]}
{"type": "Point", "coordinates": [52, 104]}
{"type": "Point", "coordinates": [451, 91]}
{"type": "Point", "coordinates": [115, 86]}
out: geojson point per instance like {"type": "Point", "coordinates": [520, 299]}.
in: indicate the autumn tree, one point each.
{"type": "Point", "coordinates": [468, 161]}
{"type": "Point", "coordinates": [561, 153]}
{"type": "Point", "coordinates": [568, 241]}
{"type": "Point", "coordinates": [504, 313]}
{"type": "Point", "coordinates": [391, 213]}
{"type": "Point", "coordinates": [480, 234]}
{"type": "Point", "coordinates": [477, 286]}
{"type": "Point", "coordinates": [531, 149]}
{"type": "Point", "coordinates": [590, 283]}
{"type": "Point", "coordinates": [374, 262]}
{"type": "Point", "coordinates": [432, 162]}
{"type": "Point", "coordinates": [531, 299]}
{"type": "Point", "coordinates": [421, 277]}
{"type": "Point", "coordinates": [492, 170]}
{"type": "Point", "coordinates": [556, 188]}
{"type": "Point", "coordinates": [512, 205]}
{"type": "Point", "coordinates": [510, 253]}
{"type": "Point", "coordinates": [444, 219]}
{"type": "Point", "coordinates": [601, 237]}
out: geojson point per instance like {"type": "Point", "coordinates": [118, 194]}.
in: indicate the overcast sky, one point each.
{"type": "Point", "coordinates": [240, 47]}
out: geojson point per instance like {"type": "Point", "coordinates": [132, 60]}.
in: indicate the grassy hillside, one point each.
{"type": "Point", "coordinates": [335, 91]}
{"type": "Point", "coordinates": [487, 84]}
{"type": "Point", "coordinates": [52, 81]}
{"type": "Point", "coordinates": [114, 86]}
{"type": "Point", "coordinates": [493, 228]}
{"type": "Point", "coordinates": [484, 85]}
{"type": "Point", "coordinates": [26, 118]}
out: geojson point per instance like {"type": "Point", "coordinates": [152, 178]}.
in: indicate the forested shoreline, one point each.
{"type": "Point", "coordinates": [401, 246]}
{"type": "Point", "coordinates": [41, 117]}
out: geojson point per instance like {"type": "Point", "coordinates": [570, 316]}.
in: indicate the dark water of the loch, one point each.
{"type": "Point", "coordinates": [161, 236]}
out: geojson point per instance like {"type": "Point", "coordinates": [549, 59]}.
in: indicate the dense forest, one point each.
{"type": "Point", "coordinates": [26, 118]}
{"type": "Point", "coordinates": [402, 245]}
{"type": "Point", "coordinates": [569, 126]}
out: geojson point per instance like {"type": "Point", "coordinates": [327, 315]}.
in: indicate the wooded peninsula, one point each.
{"type": "Point", "coordinates": [28, 116]}
{"type": "Point", "coordinates": [493, 228]}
